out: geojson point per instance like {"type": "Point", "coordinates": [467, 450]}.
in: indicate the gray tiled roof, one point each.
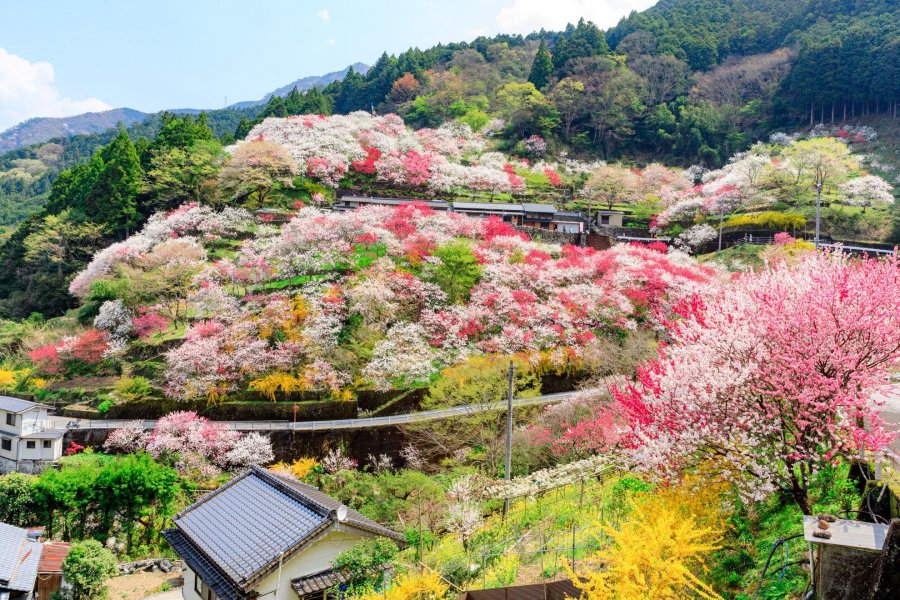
{"type": "Point", "coordinates": [240, 530]}
{"type": "Point", "coordinates": [211, 575]}
{"type": "Point", "coordinates": [541, 208]}
{"type": "Point", "coordinates": [47, 434]}
{"type": "Point", "coordinates": [11, 541]}
{"type": "Point", "coordinates": [19, 558]}
{"type": "Point", "coordinates": [243, 525]}
{"type": "Point", "coordinates": [17, 405]}
{"type": "Point", "coordinates": [323, 580]}
{"type": "Point", "coordinates": [27, 569]}
{"type": "Point", "coordinates": [488, 206]}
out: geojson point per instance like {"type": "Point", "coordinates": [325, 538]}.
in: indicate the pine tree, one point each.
{"type": "Point", "coordinates": [541, 68]}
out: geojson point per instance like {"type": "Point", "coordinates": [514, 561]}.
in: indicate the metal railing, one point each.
{"type": "Point", "coordinates": [360, 423]}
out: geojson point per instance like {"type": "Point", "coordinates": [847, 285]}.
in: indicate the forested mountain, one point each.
{"type": "Point", "coordinates": [41, 129]}
{"type": "Point", "coordinates": [305, 83]}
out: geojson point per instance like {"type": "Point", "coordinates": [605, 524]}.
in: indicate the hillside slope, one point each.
{"type": "Point", "coordinates": [42, 129]}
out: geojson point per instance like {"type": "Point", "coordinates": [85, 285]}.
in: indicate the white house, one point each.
{"type": "Point", "coordinates": [28, 440]}
{"type": "Point", "coordinates": [263, 535]}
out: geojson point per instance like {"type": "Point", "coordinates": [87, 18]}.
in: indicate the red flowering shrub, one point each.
{"type": "Point", "coordinates": [46, 358]}
{"type": "Point", "coordinates": [149, 323]}
{"type": "Point", "coordinates": [553, 176]}
{"type": "Point", "coordinates": [74, 448]}
{"type": "Point", "coordinates": [90, 346]}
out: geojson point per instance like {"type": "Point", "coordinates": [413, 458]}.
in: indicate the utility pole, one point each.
{"type": "Point", "coordinates": [507, 467]}
{"type": "Point", "coordinates": [721, 217]}
{"type": "Point", "coordinates": [818, 208]}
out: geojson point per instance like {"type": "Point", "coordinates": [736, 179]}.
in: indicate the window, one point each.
{"type": "Point", "coordinates": [11, 419]}
{"type": "Point", "coordinates": [30, 444]}
{"type": "Point", "coordinates": [6, 444]}
{"type": "Point", "coordinates": [604, 219]}
{"type": "Point", "coordinates": [48, 444]}
{"type": "Point", "coordinates": [202, 589]}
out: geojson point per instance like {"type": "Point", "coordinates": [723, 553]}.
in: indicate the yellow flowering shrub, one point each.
{"type": "Point", "coordinates": [426, 585]}
{"type": "Point", "coordinates": [278, 382]}
{"type": "Point", "coordinates": [7, 378]}
{"type": "Point", "coordinates": [661, 548]}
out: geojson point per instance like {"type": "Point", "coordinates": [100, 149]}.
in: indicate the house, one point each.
{"type": "Point", "coordinates": [354, 202]}
{"type": "Point", "coordinates": [611, 218]}
{"type": "Point", "coordinates": [568, 222]}
{"type": "Point", "coordinates": [511, 213]}
{"type": "Point", "coordinates": [265, 535]}
{"type": "Point", "coordinates": [539, 216]}
{"type": "Point", "coordinates": [28, 441]}
{"type": "Point", "coordinates": [20, 555]}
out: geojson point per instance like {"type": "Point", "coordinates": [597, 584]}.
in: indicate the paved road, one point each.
{"type": "Point", "coordinates": [362, 423]}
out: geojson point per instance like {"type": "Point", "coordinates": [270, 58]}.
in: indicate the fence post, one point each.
{"type": "Point", "coordinates": [573, 547]}
{"type": "Point", "coordinates": [483, 572]}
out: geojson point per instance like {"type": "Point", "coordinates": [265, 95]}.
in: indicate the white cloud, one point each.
{"type": "Point", "coordinates": [324, 15]}
{"type": "Point", "coordinates": [331, 41]}
{"type": "Point", "coordinates": [524, 16]}
{"type": "Point", "coordinates": [27, 90]}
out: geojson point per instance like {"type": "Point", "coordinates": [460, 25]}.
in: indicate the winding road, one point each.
{"type": "Point", "coordinates": [361, 423]}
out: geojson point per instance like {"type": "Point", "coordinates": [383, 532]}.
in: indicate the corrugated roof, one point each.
{"type": "Point", "coordinates": [53, 556]}
{"type": "Point", "coordinates": [17, 405]}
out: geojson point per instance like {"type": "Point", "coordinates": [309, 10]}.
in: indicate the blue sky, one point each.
{"type": "Point", "coordinates": [60, 57]}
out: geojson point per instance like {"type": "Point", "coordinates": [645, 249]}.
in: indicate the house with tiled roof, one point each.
{"type": "Point", "coordinates": [20, 556]}
{"type": "Point", "coordinates": [261, 535]}
{"type": "Point", "coordinates": [28, 440]}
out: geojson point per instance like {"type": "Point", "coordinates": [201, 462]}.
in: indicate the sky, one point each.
{"type": "Point", "coordinates": [65, 57]}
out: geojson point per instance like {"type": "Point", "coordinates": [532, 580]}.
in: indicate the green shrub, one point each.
{"type": "Point", "coordinates": [86, 569]}
{"type": "Point", "coordinates": [133, 389]}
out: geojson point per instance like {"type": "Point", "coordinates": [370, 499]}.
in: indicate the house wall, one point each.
{"type": "Point", "coordinates": [317, 557]}
{"type": "Point", "coordinates": [39, 452]}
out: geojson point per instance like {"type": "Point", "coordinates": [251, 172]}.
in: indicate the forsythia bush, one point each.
{"type": "Point", "coordinates": [659, 550]}
{"type": "Point", "coordinates": [414, 586]}
{"type": "Point", "coordinates": [300, 468]}
{"type": "Point", "coordinates": [768, 218]}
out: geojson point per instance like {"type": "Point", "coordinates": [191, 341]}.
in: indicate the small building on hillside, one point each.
{"type": "Point", "coordinates": [28, 440]}
{"type": "Point", "coordinates": [611, 218]}
{"type": "Point", "coordinates": [265, 535]}
{"type": "Point", "coordinates": [353, 202]}
{"type": "Point", "coordinates": [30, 569]}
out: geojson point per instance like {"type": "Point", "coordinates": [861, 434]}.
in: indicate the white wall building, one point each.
{"type": "Point", "coordinates": [28, 441]}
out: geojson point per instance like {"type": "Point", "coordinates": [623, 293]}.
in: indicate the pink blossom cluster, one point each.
{"type": "Point", "coordinates": [330, 147]}
{"type": "Point", "coordinates": [773, 377]}
{"type": "Point", "coordinates": [187, 220]}
{"type": "Point", "coordinates": [197, 443]}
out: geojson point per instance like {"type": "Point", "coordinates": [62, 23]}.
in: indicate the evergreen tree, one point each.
{"type": "Point", "coordinates": [541, 68]}
{"type": "Point", "coordinates": [117, 184]}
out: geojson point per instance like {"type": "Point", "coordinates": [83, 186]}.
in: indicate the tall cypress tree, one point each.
{"type": "Point", "coordinates": [541, 68]}
{"type": "Point", "coordinates": [118, 181]}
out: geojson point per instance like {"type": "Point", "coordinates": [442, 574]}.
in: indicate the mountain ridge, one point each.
{"type": "Point", "coordinates": [38, 130]}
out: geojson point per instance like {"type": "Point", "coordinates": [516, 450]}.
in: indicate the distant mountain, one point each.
{"type": "Point", "coordinates": [41, 129]}
{"type": "Point", "coordinates": [304, 84]}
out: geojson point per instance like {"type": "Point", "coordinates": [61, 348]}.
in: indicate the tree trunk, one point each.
{"type": "Point", "coordinates": [832, 112]}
